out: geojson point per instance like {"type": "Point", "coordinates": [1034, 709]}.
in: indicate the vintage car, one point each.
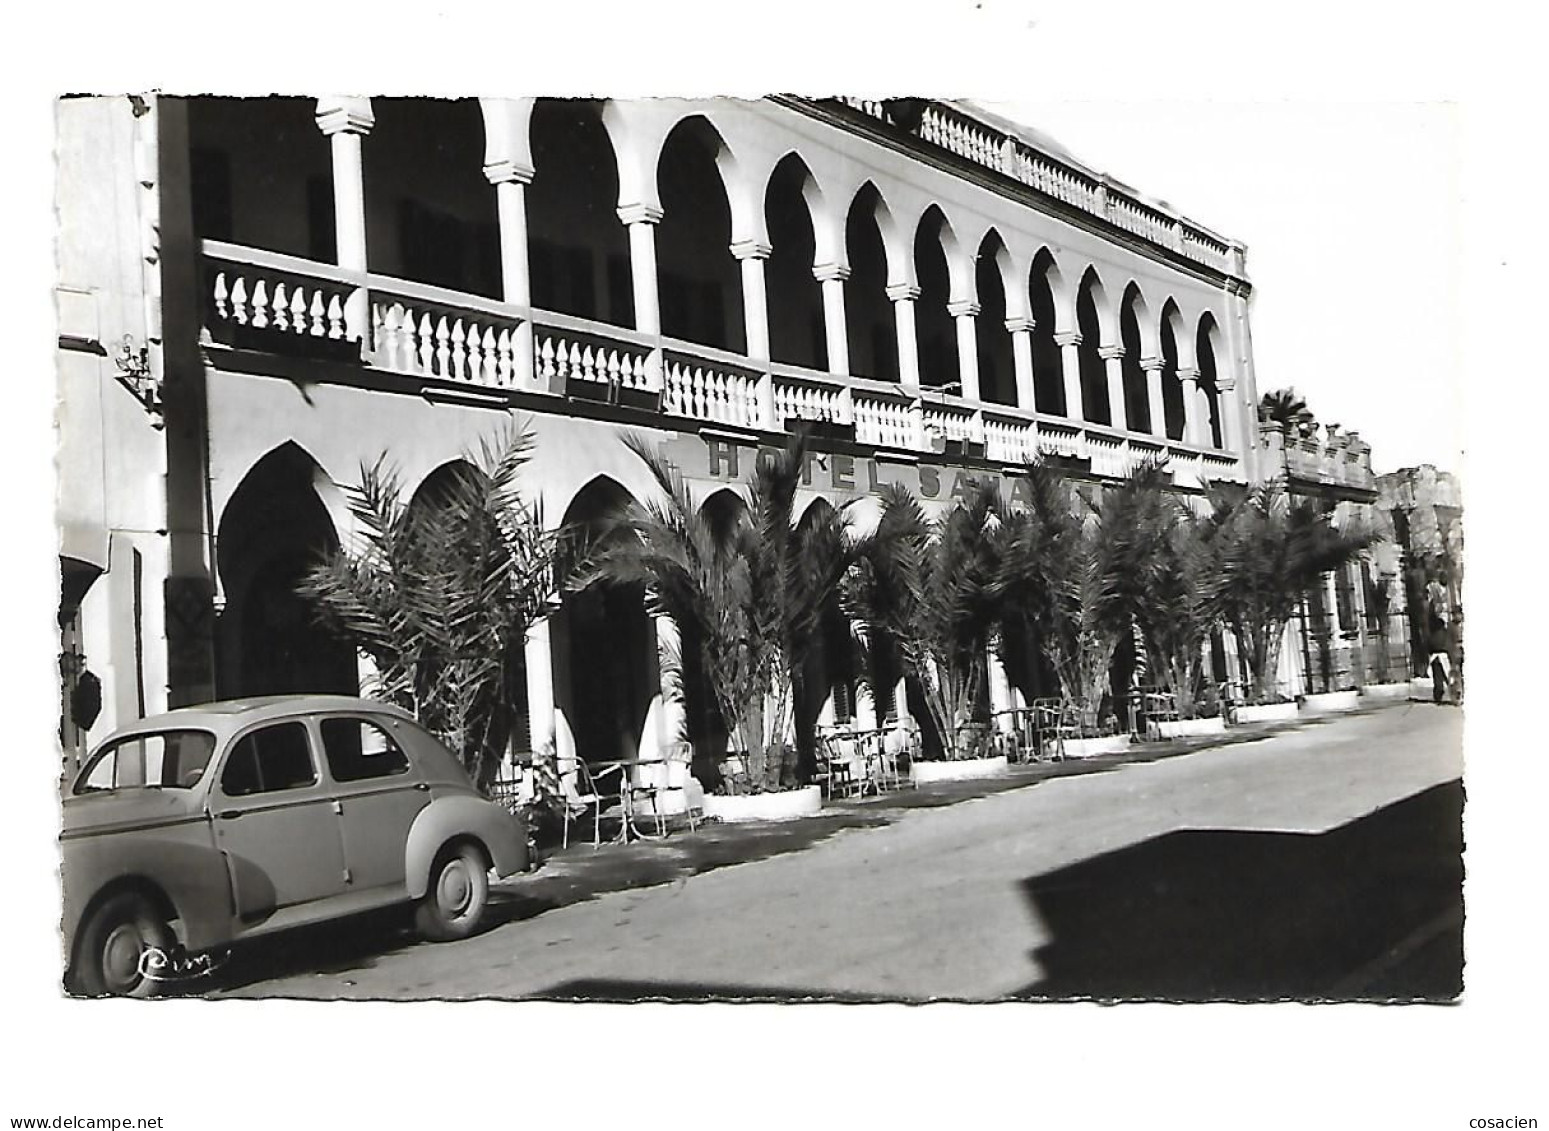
{"type": "Point", "coordinates": [207, 825]}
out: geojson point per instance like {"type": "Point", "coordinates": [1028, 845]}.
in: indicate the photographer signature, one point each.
{"type": "Point", "coordinates": [157, 965]}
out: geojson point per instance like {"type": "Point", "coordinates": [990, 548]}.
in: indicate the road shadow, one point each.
{"type": "Point", "coordinates": [630, 991]}
{"type": "Point", "coordinates": [1372, 910]}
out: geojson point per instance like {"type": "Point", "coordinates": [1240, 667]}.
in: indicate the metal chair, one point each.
{"type": "Point", "coordinates": [579, 792]}
{"type": "Point", "coordinates": [880, 762]}
{"type": "Point", "coordinates": [1054, 721]}
{"type": "Point", "coordinates": [677, 777]}
{"type": "Point", "coordinates": [836, 766]}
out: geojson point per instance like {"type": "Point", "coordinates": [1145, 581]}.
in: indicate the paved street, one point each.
{"type": "Point", "coordinates": [1318, 862]}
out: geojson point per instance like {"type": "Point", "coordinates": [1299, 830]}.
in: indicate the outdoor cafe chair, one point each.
{"type": "Point", "coordinates": [1054, 721]}
{"type": "Point", "coordinates": [881, 761]}
{"type": "Point", "coordinates": [580, 794]}
{"type": "Point", "coordinates": [836, 765]}
{"type": "Point", "coordinates": [675, 776]}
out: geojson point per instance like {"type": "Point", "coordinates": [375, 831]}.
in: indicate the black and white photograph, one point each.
{"type": "Point", "coordinates": [759, 581]}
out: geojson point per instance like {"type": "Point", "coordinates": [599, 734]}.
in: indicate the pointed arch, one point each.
{"type": "Point", "coordinates": [1207, 343]}
{"type": "Point", "coordinates": [1052, 311]}
{"type": "Point", "coordinates": [577, 251]}
{"type": "Point", "coordinates": [700, 283]}
{"type": "Point", "coordinates": [1172, 334]}
{"type": "Point", "coordinates": [793, 215]}
{"type": "Point", "coordinates": [942, 282]}
{"type": "Point", "coordinates": [870, 241]}
{"type": "Point", "coordinates": [605, 663]}
{"type": "Point", "coordinates": [998, 301]}
{"type": "Point", "coordinates": [1138, 337]}
{"type": "Point", "coordinates": [275, 526]}
{"type": "Point", "coordinates": [430, 212]}
{"type": "Point", "coordinates": [1094, 323]}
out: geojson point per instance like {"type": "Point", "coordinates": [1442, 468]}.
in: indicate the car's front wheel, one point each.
{"type": "Point", "coordinates": [458, 893]}
{"type": "Point", "coordinates": [122, 945]}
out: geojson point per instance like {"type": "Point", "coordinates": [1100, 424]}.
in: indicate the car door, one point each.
{"type": "Point", "coordinates": [276, 822]}
{"type": "Point", "coordinates": [379, 793]}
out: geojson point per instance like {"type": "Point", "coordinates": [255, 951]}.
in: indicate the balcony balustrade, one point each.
{"type": "Point", "coordinates": [959, 132]}
{"type": "Point", "coordinates": [277, 303]}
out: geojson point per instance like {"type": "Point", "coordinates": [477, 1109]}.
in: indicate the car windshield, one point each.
{"type": "Point", "coordinates": [172, 759]}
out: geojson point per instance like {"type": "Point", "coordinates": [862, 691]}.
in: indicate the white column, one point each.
{"type": "Point", "coordinates": [1000, 694]}
{"type": "Point", "coordinates": [539, 663]}
{"type": "Point", "coordinates": [1021, 330]}
{"type": "Point", "coordinates": [1231, 425]}
{"type": "Point", "coordinates": [865, 709]}
{"type": "Point", "coordinates": [669, 723]}
{"type": "Point", "coordinates": [1069, 342]}
{"type": "Point", "coordinates": [1113, 359]}
{"type": "Point", "coordinates": [641, 220]}
{"type": "Point", "coordinates": [511, 180]}
{"type": "Point", "coordinates": [345, 121]}
{"type": "Point", "coordinates": [1155, 402]}
{"type": "Point", "coordinates": [965, 315]}
{"type": "Point", "coordinates": [751, 254]}
{"type": "Point", "coordinates": [903, 298]}
{"type": "Point", "coordinates": [1189, 379]}
{"type": "Point", "coordinates": [836, 334]}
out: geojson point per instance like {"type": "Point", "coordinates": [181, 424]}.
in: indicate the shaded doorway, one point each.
{"type": "Point", "coordinates": [605, 663]}
{"type": "Point", "coordinates": [273, 530]}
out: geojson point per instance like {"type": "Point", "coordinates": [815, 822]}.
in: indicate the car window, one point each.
{"type": "Point", "coordinates": [269, 759]}
{"type": "Point", "coordinates": [166, 760]}
{"type": "Point", "coordinates": [358, 750]}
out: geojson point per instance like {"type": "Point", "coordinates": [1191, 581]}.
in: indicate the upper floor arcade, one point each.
{"type": "Point", "coordinates": [912, 277]}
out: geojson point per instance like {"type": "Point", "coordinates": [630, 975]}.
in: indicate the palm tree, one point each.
{"type": "Point", "coordinates": [440, 594]}
{"type": "Point", "coordinates": [1079, 569]}
{"type": "Point", "coordinates": [750, 591]}
{"type": "Point", "coordinates": [1287, 409]}
{"type": "Point", "coordinates": [933, 589]}
{"type": "Point", "coordinates": [1181, 605]}
{"type": "Point", "coordinates": [1275, 548]}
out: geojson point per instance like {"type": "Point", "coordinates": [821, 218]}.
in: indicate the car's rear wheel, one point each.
{"type": "Point", "coordinates": [457, 896]}
{"type": "Point", "coordinates": [120, 947]}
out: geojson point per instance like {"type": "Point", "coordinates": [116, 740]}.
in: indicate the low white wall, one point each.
{"type": "Point", "coordinates": [965, 769]}
{"type": "Point", "coordinates": [1190, 728]}
{"type": "Point", "coordinates": [1267, 712]}
{"type": "Point", "coordinates": [1332, 701]}
{"type": "Point", "coordinates": [783, 806]}
{"type": "Point", "coordinates": [1091, 747]}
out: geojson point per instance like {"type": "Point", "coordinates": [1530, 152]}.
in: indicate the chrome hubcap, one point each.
{"type": "Point", "coordinates": [456, 890]}
{"type": "Point", "coordinates": [121, 957]}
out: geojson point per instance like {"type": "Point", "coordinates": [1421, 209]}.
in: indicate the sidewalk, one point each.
{"type": "Point", "coordinates": [581, 872]}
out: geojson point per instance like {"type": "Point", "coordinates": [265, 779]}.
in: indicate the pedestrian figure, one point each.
{"type": "Point", "coordinates": [1440, 664]}
{"type": "Point", "coordinates": [1441, 675]}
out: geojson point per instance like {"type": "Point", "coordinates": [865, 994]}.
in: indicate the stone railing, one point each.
{"type": "Point", "coordinates": [426, 331]}
{"type": "Point", "coordinates": [290, 304]}
{"type": "Point", "coordinates": [1343, 459]}
{"type": "Point", "coordinates": [960, 132]}
{"type": "Point", "coordinates": [258, 300]}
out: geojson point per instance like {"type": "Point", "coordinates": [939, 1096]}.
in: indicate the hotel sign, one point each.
{"type": "Point", "coordinates": [721, 459]}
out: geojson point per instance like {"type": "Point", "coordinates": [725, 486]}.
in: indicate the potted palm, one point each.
{"type": "Point", "coordinates": [439, 592]}
{"type": "Point", "coordinates": [931, 587]}
{"type": "Point", "coordinates": [1180, 608]}
{"type": "Point", "coordinates": [1077, 568]}
{"type": "Point", "coordinates": [1275, 548]}
{"type": "Point", "coordinates": [748, 593]}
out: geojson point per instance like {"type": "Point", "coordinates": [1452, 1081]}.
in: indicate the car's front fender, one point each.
{"type": "Point", "coordinates": [462, 817]}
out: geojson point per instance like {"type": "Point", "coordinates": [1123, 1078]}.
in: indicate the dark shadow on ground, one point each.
{"type": "Point", "coordinates": [613, 990]}
{"type": "Point", "coordinates": [1372, 910]}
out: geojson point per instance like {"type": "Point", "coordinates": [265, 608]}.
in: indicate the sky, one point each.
{"type": "Point", "coordinates": [1347, 142]}
{"type": "Point", "coordinates": [1351, 214]}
